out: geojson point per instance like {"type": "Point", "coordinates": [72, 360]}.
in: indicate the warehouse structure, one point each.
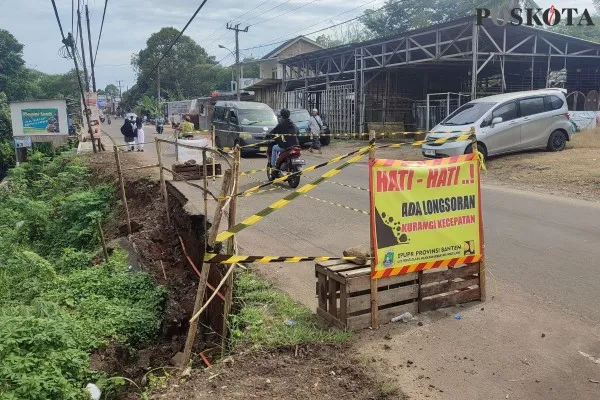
{"type": "Point", "coordinates": [413, 80]}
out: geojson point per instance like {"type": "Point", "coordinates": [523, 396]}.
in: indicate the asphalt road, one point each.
{"type": "Point", "coordinates": [547, 245]}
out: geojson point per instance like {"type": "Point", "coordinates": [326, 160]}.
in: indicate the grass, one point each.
{"type": "Point", "coordinates": [267, 318]}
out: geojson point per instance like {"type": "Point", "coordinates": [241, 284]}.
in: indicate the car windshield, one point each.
{"type": "Point", "coordinates": [467, 114]}
{"type": "Point", "coordinates": [253, 117]}
{"type": "Point", "coordinates": [299, 116]}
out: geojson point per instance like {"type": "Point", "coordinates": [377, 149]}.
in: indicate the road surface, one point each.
{"type": "Point", "coordinates": [545, 244]}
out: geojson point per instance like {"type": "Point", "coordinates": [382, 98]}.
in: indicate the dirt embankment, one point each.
{"type": "Point", "coordinates": [316, 371]}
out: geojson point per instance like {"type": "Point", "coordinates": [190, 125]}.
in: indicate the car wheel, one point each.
{"type": "Point", "coordinates": [480, 147]}
{"type": "Point", "coordinates": [557, 141]}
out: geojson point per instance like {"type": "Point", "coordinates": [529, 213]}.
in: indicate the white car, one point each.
{"type": "Point", "coordinates": [505, 123]}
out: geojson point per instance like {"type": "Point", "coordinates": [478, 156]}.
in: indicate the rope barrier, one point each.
{"type": "Point", "coordinates": [234, 259]}
{"type": "Point", "coordinates": [253, 219]}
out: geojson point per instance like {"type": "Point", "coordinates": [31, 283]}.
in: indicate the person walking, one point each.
{"type": "Point", "coordinates": [129, 133]}
{"type": "Point", "coordinates": [315, 125]}
{"type": "Point", "coordinates": [140, 136]}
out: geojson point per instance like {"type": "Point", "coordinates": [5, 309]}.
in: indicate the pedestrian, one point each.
{"type": "Point", "coordinates": [128, 132]}
{"type": "Point", "coordinates": [315, 126]}
{"type": "Point", "coordinates": [140, 136]}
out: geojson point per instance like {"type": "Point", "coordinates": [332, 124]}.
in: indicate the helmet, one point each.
{"type": "Point", "coordinates": [285, 113]}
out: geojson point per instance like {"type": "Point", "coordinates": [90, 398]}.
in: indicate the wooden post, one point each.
{"type": "Point", "coordinates": [161, 172]}
{"type": "Point", "coordinates": [374, 296]}
{"type": "Point", "coordinates": [482, 283]}
{"type": "Point", "coordinates": [104, 249]}
{"type": "Point", "coordinates": [214, 170]}
{"type": "Point", "coordinates": [122, 187]}
{"type": "Point", "coordinates": [203, 280]}
{"type": "Point", "coordinates": [230, 249]}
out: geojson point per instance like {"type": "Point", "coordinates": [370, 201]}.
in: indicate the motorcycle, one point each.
{"type": "Point", "coordinates": [288, 163]}
{"type": "Point", "coordinates": [160, 127]}
{"type": "Point", "coordinates": [102, 119]}
{"type": "Point", "coordinates": [108, 119]}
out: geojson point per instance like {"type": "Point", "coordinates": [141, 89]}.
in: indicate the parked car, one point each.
{"type": "Point", "coordinates": [243, 123]}
{"type": "Point", "coordinates": [301, 118]}
{"type": "Point", "coordinates": [506, 123]}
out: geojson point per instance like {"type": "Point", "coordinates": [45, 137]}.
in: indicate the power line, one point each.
{"type": "Point", "coordinates": [313, 32]}
{"type": "Point", "coordinates": [101, 26]}
{"type": "Point", "coordinates": [249, 11]}
{"type": "Point", "coordinates": [284, 13]}
{"type": "Point", "coordinates": [270, 9]}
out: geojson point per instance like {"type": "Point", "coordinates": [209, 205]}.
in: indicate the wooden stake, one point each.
{"type": "Point", "coordinates": [163, 269]}
{"type": "Point", "coordinates": [203, 280]}
{"type": "Point", "coordinates": [374, 294]}
{"type": "Point", "coordinates": [482, 279]}
{"type": "Point", "coordinates": [214, 171]}
{"type": "Point", "coordinates": [163, 185]}
{"type": "Point", "coordinates": [122, 186]}
{"type": "Point", "coordinates": [104, 249]}
{"type": "Point", "coordinates": [230, 250]}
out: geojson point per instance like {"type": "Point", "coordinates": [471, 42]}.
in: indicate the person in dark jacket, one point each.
{"type": "Point", "coordinates": [129, 133]}
{"type": "Point", "coordinates": [281, 143]}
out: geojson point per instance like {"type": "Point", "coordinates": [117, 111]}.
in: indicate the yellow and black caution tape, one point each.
{"type": "Point", "coordinates": [234, 259]}
{"type": "Point", "coordinates": [253, 219]}
{"type": "Point", "coordinates": [466, 137]}
{"type": "Point", "coordinates": [284, 178]}
{"type": "Point", "coordinates": [338, 205]}
{"type": "Point", "coordinates": [252, 171]}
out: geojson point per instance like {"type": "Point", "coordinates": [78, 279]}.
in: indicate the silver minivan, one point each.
{"type": "Point", "coordinates": [506, 123]}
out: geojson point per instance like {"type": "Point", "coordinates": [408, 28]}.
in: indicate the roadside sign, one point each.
{"type": "Point", "coordinates": [425, 214]}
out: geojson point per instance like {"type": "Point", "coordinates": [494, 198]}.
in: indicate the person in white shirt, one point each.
{"type": "Point", "coordinates": [315, 125]}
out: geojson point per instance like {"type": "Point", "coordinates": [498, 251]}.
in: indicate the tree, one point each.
{"type": "Point", "coordinates": [251, 69]}
{"type": "Point", "coordinates": [147, 106]}
{"type": "Point", "coordinates": [185, 56]}
{"type": "Point", "coordinates": [12, 66]}
{"type": "Point", "coordinates": [584, 32]}
{"type": "Point", "coordinates": [344, 34]}
{"type": "Point", "coordinates": [111, 90]}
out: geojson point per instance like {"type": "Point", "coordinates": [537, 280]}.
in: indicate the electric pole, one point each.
{"type": "Point", "coordinates": [85, 71]}
{"type": "Point", "coordinates": [87, 17]}
{"type": "Point", "coordinates": [120, 91]}
{"type": "Point", "coordinates": [158, 91]}
{"type": "Point", "coordinates": [237, 30]}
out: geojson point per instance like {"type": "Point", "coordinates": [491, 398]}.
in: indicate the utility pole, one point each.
{"type": "Point", "coordinates": [85, 71]}
{"type": "Point", "coordinates": [120, 91]}
{"type": "Point", "coordinates": [87, 17]}
{"type": "Point", "coordinates": [237, 30]}
{"type": "Point", "coordinates": [158, 91]}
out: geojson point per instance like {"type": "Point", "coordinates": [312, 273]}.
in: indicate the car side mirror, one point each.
{"type": "Point", "coordinates": [496, 120]}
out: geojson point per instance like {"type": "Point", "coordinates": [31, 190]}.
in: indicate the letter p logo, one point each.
{"type": "Point", "coordinates": [481, 14]}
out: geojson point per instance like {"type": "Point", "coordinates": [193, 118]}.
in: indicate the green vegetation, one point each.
{"type": "Point", "coordinates": [266, 318]}
{"type": "Point", "coordinates": [56, 304]}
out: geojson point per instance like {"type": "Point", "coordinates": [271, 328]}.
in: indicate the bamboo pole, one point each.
{"type": "Point", "coordinates": [214, 171]}
{"type": "Point", "coordinates": [374, 294]}
{"type": "Point", "coordinates": [230, 250]}
{"type": "Point", "coordinates": [122, 187]}
{"type": "Point", "coordinates": [163, 185]}
{"type": "Point", "coordinates": [203, 280]}
{"type": "Point", "coordinates": [223, 280]}
{"type": "Point", "coordinates": [482, 278]}
{"type": "Point", "coordinates": [101, 232]}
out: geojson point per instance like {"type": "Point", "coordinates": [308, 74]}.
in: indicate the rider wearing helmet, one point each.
{"type": "Point", "coordinates": [289, 131]}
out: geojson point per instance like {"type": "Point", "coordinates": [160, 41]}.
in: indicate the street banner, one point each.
{"type": "Point", "coordinates": [38, 121]}
{"type": "Point", "coordinates": [425, 214]}
{"type": "Point", "coordinates": [91, 100]}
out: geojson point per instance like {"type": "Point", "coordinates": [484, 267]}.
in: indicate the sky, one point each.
{"type": "Point", "coordinates": [129, 23]}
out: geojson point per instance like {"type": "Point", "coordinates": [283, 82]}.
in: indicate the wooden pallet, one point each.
{"type": "Point", "coordinates": [194, 172]}
{"type": "Point", "coordinates": [344, 299]}
{"type": "Point", "coordinates": [449, 287]}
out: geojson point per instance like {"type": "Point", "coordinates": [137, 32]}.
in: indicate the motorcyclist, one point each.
{"type": "Point", "coordinates": [290, 133]}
